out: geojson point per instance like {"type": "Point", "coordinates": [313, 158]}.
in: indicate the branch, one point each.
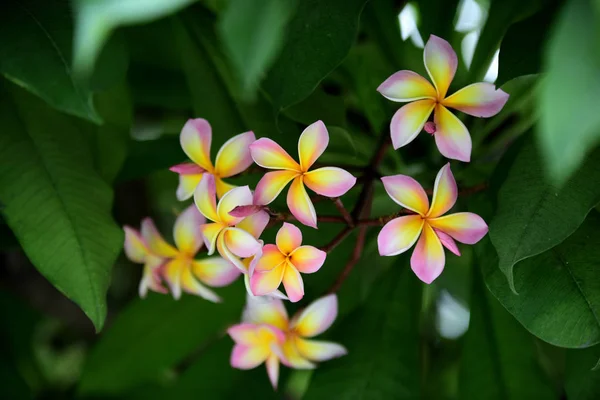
{"type": "Point", "coordinates": [356, 253]}
{"type": "Point", "coordinates": [345, 214]}
{"type": "Point", "coordinates": [339, 238]}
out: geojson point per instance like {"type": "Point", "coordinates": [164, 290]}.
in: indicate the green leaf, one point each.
{"type": "Point", "coordinates": [582, 374]}
{"type": "Point", "coordinates": [35, 53]}
{"type": "Point", "coordinates": [55, 203]}
{"type": "Point", "coordinates": [570, 124]}
{"type": "Point", "coordinates": [382, 338]}
{"type": "Point", "coordinates": [252, 32]}
{"type": "Point", "coordinates": [533, 215]}
{"type": "Point", "coordinates": [154, 334]}
{"type": "Point", "coordinates": [319, 38]}
{"type": "Point", "coordinates": [559, 290]}
{"type": "Point", "coordinates": [499, 359]}
{"type": "Point", "coordinates": [439, 22]}
{"type": "Point", "coordinates": [96, 19]}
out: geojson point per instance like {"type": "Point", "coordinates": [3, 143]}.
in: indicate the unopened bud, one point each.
{"type": "Point", "coordinates": [429, 127]}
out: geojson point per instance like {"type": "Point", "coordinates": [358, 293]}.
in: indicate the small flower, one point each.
{"type": "Point", "coordinates": [428, 226]}
{"type": "Point", "coordinates": [232, 158]}
{"type": "Point", "coordinates": [284, 262]}
{"type": "Point", "coordinates": [178, 267]}
{"type": "Point", "coordinates": [138, 252]}
{"type": "Point", "coordinates": [451, 135]}
{"type": "Point", "coordinates": [326, 181]}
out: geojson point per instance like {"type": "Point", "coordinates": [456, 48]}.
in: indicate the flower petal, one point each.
{"type": "Point", "coordinates": [271, 184]}
{"type": "Point", "coordinates": [205, 197]}
{"type": "Point", "coordinates": [245, 211]}
{"type": "Point", "coordinates": [255, 224]}
{"type": "Point", "coordinates": [152, 278]}
{"type": "Point", "coordinates": [406, 192]}
{"type": "Point", "coordinates": [271, 258]}
{"type": "Point", "coordinates": [308, 259]}
{"type": "Point", "coordinates": [293, 283]}
{"type": "Point", "coordinates": [266, 282]}
{"type": "Point", "coordinates": [478, 99]}
{"type": "Point", "coordinates": [244, 334]}
{"type": "Point", "coordinates": [329, 181]}
{"type": "Point", "coordinates": [195, 140]}
{"type": "Point", "coordinates": [428, 258]}
{"type": "Point", "coordinates": [440, 62]}
{"type": "Point", "coordinates": [300, 204]}
{"type": "Point", "coordinates": [445, 192]}
{"type": "Point", "coordinates": [272, 365]}
{"type": "Point", "coordinates": [187, 186]}
{"type": "Point", "coordinates": [465, 227]}
{"type": "Point", "coordinates": [187, 169]}
{"type": "Point", "coordinates": [191, 285]}
{"type": "Point", "coordinates": [222, 187]}
{"type": "Point", "coordinates": [155, 242]}
{"type": "Point", "coordinates": [447, 242]}
{"type": "Point", "coordinates": [135, 247]}
{"type": "Point", "coordinates": [288, 238]}
{"type": "Point", "coordinates": [172, 274]}
{"type": "Point", "coordinates": [399, 235]}
{"type": "Point", "coordinates": [271, 311]}
{"type": "Point", "coordinates": [240, 242]}
{"type": "Point", "coordinates": [318, 350]}
{"type": "Point", "coordinates": [239, 196]}
{"type": "Point", "coordinates": [210, 232]}
{"type": "Point", "coordinates": [187, 232]}
{"type": "Point", "coordinates": [451, 137]}
{"type": "Point", "coordinates": [234, 156]}
{"type": "Point", "coordinates": [248, 357]}
{"type": "Point", "coordinates": [409, 120]}
{"type": "Point", "coordinates": [317, 317]}
{"type": "Point", "coordinates": [293, 358]}
{"type": "Point", "coordinates": [406, 86]}
{"type": "Point", "coordinates": [269, 154]}
{"type": "Point", "coordinates": [312, 143]}
{"type": "Point", "coordinates": [228, 255]}
{"type": "Point", "coordinates": [215, 271]}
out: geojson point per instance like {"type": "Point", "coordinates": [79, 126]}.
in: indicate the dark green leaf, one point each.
{"type": "Point", "coordinates": [439, 22]}
{"type": "Point", "coordinates": [582, 374]}
{"type": "Point", "coordinates": [382, 338]}
{"type": "Point", "coordinates": [319, 106]}
{"type": "Point", "coordinates": [559, 290]}
{"type": "Point", "coordinates": [55, 202]}
{"type": "Point", "coordinates": [533, 215]}
{"type": "Point", "coordinates": [154, 334]}
{"type": "Point", "coordinates": [570, 124]}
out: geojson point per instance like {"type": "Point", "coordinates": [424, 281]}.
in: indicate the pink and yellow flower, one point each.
{"type": "Point", "coordinates": [326, 181]}
{"type": "Point", "coordinates": [429, 225]}
{"type": "Point", "coordinates": [232, 158]}
{"type": "Point", "coordinates": [284, 262]}
{"type": "Point", "coordinates": [451, 135]}
{"type": "Point", "coordinates": [178, 265]}
{"type": "Point", "coordinates": [136, 249]}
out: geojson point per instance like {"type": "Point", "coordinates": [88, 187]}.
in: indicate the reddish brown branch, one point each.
{"type": "Point", "coordinates": [345, 214]}
{"type": "Point", "coordinates": [339, 238]}
{"type": "Point", "coordinates": [356, 253]}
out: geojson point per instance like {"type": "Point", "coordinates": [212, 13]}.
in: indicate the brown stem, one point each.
{"type": "Point", "coordinates": [345, 214]}
{"type": "Point", "coordinates": [356, 253]}
{"type": "Point", "coordinates": [339, 238]}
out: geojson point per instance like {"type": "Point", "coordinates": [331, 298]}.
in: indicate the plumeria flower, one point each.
{"type": "Point", "coordinates": [284, 262]}
{"type": "Point", "coordinates": [300, 351]}
{"type": "Point", "coordinates": [429, 225]}
{"type": "Point", "coordinates": [451, 135]}
{"type": "Point", "coordinates": [179, 268]}
{"type": "Point", "coordinates": [136, 249]}
{"type": "Point", "coordinates": [232, 158]}
{"type": "Point", "coordinates": [326, 181]}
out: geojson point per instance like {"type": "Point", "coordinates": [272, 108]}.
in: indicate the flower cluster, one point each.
{"type": "Point", "coordinates": [229, 220]}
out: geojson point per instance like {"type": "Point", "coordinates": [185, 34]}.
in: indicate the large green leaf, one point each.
{"type": "Point", "coordinates": [439, 22]}
{"type": "Point", "coordinates": [35, 53]}
{"type": "Point", "coordinates": [382, 338]}
{"type": "Point", "coordinates": [55, 202]}
{"type": "Point", "coordinates": [318, 39]}
{"type": "Point", "coordinates": [582, 374]}
{"type": "Point", "coordinates": [534, 215]}
{"type": "Point", "coordinates": [499, 359]}
{"type": "Point", "coordinates": [570, 124]}
{"type": "Point", "coordinates": [252, 32]}
{"type": "Point", "coordinates": [559, 290]}
{"type": "Point", "coordinates": [154, 334]}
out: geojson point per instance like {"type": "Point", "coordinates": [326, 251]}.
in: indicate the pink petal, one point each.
{"type": "Point", "coordinates": [152, 276]}
{"type": "Point", "coordinates": [269, 154]}
{"type": "Point", "coordinates": [187, 232]}
{"type": "Point", "coordinates": [440, 62]}
{"type": "Point", "coordinates": [195, 140]}
{"type": "Point", "coordinates": [317, 317]}
{"type": "Point", "coordinates": [271, 184]}
{"type": "Point", "coordinates": [255, 224]}
{"type": "Point", "coordinates": [465, 227]}
{"type": "Point", "coordinates": [210, 232]}
{"type": "Point", "coordinates": [154, 240]}
{"type": "Point", "coordinates": [329, 181]}
{"type": "Point", "coordinates": [187, 186]}
{"type": "Point", "coordinates": [268, 311]}
{"type": "Point", "coordinates": [451, 137]}
{"type": "Point", "coordinates": [445, 192]}
{"type": "Point", "coordinates": [228, 255]}
{"type": "Point", "coordinates": [205, 197]}
{"type": "Point", "coordinates": [428, 258]}
{"type": "Point", "coordinates": [240, 196]}
{"type": "Point", "coordinates": [312, 144]}
{"type": "Point", "coordinates": [406, 192]}
{"type": "Point", "coordinates": [478, 100]}
{"type": "Point", "coordinates": [263, 283]}
{"type": "Point", "coordinates": [172, 274]}
{"type": "Point", "coordinates": [318, 350]}
{"type": "Point", "coordinates": [215, 271]}
{"type": "Point", "coordinates": [272, 365]}
{"type": "Point", "coordinates": [248, 357]}
{"type": "Point", "coordinates": [308, 259]}
{"type": "Point", "coordinates": [292, 357]}
{"type": "Point", "coordinates": [447, 242]}
{"type": "Point", "coordinates": [191, 285]}
{"type": "Point", "coordinates": [245, 211]}
{"type": "Point", "coordinates": [244, 334]}
{"type": "Point", "coordinates": [135, 247]}
{"type": "Point", "coordinates": [409, 120]}
{"type": "Point", "coordinates": [300, 204]}
{"type": "Point", "coordinates": [240, 242]}
{"type": "Point", "coordinates": [399, 235]}
{"type": "Point", "coordinates": [288, 238]}
{"type": "Point", "coordinates": [293, 283]}
{"type": "Point", "coordinates": [234, 156]}
{"type": "Point", "coordinates": [404, 86]}
{"type": "Point", "coordinates": [187, 169]}
{"type": "Point", "coordinates": [271, 258]}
